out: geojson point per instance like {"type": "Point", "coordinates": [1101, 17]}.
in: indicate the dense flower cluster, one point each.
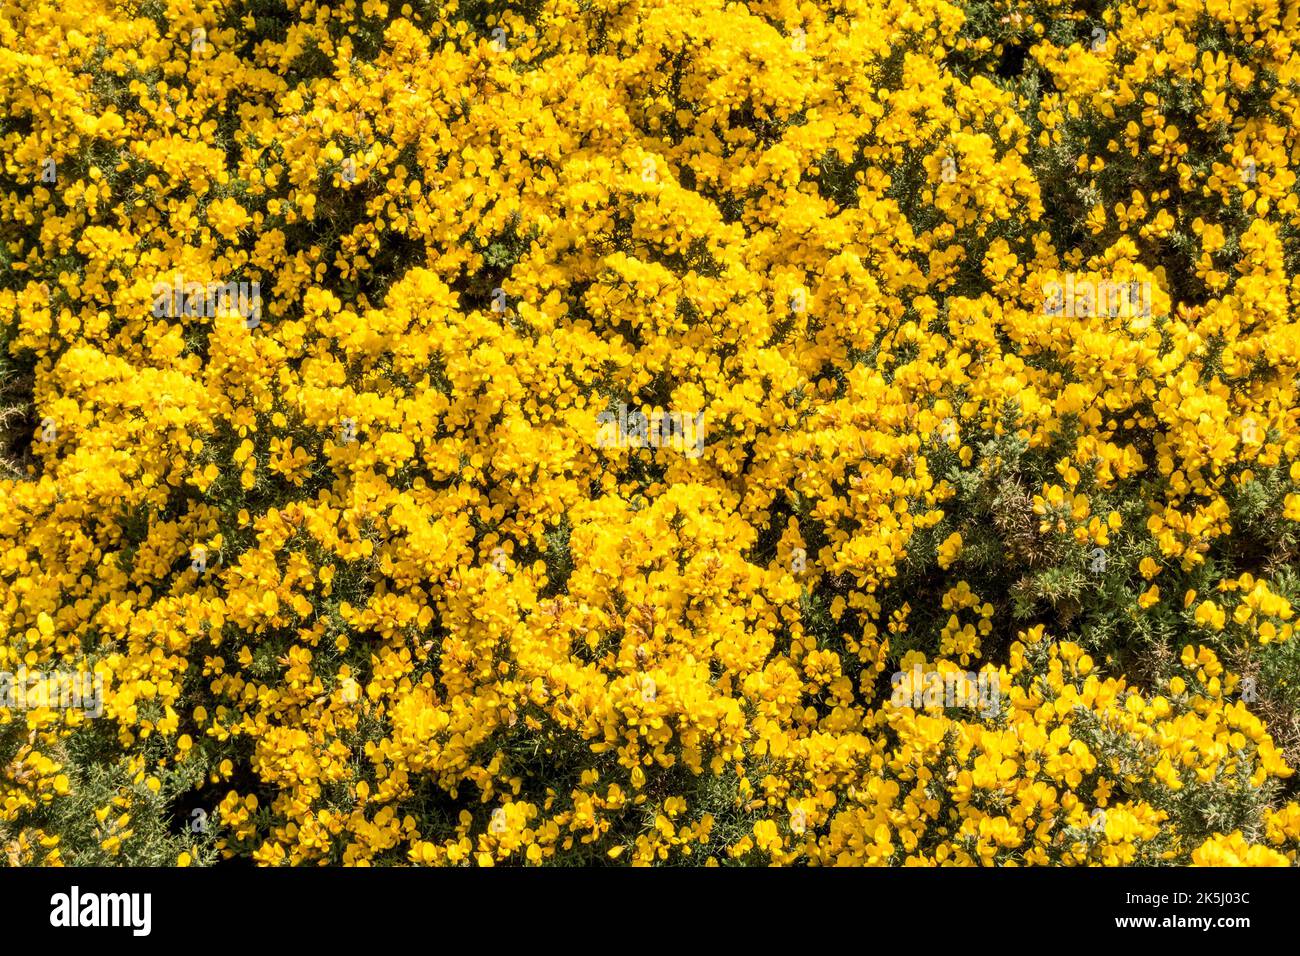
{"type": "Point", "coordinates": [502, 433]}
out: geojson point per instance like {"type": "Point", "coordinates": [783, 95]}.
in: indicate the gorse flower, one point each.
{"type": "Point", "coordinates": [472, 434]}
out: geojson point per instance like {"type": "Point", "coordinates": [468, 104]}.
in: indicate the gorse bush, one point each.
{"type": "Point", "coordinates": [858, 432]}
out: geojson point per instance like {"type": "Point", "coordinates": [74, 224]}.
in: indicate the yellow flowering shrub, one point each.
{"type": "Point", "coordinates": [861, 432]}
